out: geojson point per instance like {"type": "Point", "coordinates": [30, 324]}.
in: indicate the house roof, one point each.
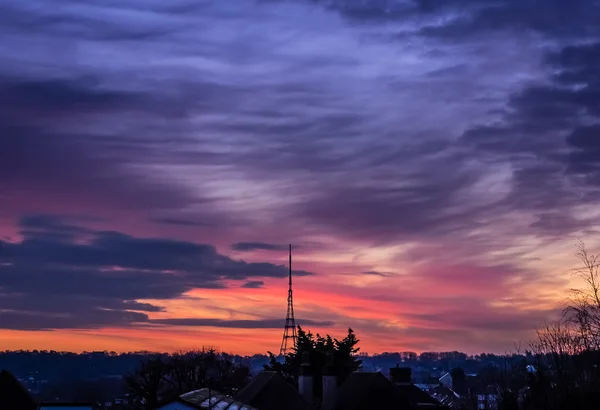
{"type": "Point", "coordinates": [13, 394]}
{"type": "Point", "coordinates": [270, 391]}
{"type": "Point", "coordinates": [367, 391]}
{"type": "Point", "coordinates": [372, 390]}
{"type": "Point", "coordinates": [212, 400]}
{"type": "Point", "coordinates": [444, 395]}
{"type": "Point", "coordinates": [427, 386]}
{"type": "Point", "coordinates": [415, 396]}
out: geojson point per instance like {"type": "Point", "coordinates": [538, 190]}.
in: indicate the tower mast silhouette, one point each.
{"type": "Point", "coordinates": [289, 330]}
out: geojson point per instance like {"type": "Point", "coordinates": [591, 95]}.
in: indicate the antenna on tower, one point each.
{"type": "Point", "coordinates": [289, 330]}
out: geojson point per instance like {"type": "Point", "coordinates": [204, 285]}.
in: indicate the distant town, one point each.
{"type": "Point", "coordinates": [101, 377]}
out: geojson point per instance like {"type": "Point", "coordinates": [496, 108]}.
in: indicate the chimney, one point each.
{"type": "Point", "coordinates": [329, 383]}
{"type": "Point", "coordinates": [401, 375]}
{"type": "Point", "coordinates": [305, 380]}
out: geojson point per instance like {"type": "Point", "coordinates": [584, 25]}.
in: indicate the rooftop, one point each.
{"type": "Point", "coordinates": [372, 390]}
{"type": "Point", "coordinates": [13, 395]}
{"type": "Point", "coordinates": [270, 391]}
{"type": "Point", "coordinates": [366, 391]}
{"type": "Point", "coordinates": [212, 400]}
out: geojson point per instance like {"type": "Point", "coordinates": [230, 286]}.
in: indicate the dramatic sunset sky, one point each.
{"type": "Point", "coordinates": [433, 161]}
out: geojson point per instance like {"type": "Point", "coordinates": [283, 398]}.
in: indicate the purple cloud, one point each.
{"type": "Point", "coordinates": [257, 246]}
{"type": "Point", "coordinates": [253, 284]}
{"type": "Point", "coordinates": [53, 280]}
{"type": "Point", "coordinates": [441, 131]}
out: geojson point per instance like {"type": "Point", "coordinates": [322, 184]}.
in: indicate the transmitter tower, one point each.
{"type": "Point", "coordinates": [289, 330]}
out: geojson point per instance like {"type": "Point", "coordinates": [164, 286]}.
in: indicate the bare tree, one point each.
{"type": "Point", "coordinates": [147, 383]}
{"type": "Point", "coordinates": [568, 351]}
{"type": "Point", "coordinates": [583, 312]}
{"type": "Point", "coordinates": [559, 338]}
{"type": "Point", "coordinates": [164, 377]}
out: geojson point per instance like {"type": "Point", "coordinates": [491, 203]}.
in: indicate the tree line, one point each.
{"type": "Point", "coordinates": [162, 378]}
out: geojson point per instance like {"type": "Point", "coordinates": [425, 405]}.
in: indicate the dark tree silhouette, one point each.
{"type": "Point", "coordinates": [339, 355]}
{"type": "Point", "coordinates": [563, 369]}
{"type": "Point", "coordinates": [148, 383]}
{"type": "Point", "coordinates": [164, 377]}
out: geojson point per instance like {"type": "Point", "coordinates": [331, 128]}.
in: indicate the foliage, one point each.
{"type": "Point", "coordinates": [162, 378]}
{"type": "Point", "coordinates": [341, 356]}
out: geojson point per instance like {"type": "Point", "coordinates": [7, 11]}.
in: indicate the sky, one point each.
{"type": "Point", "coordinates": [433, 163]}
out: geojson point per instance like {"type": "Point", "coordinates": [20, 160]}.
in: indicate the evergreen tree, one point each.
{"type": "Point", "coordinates": [320, 350]}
